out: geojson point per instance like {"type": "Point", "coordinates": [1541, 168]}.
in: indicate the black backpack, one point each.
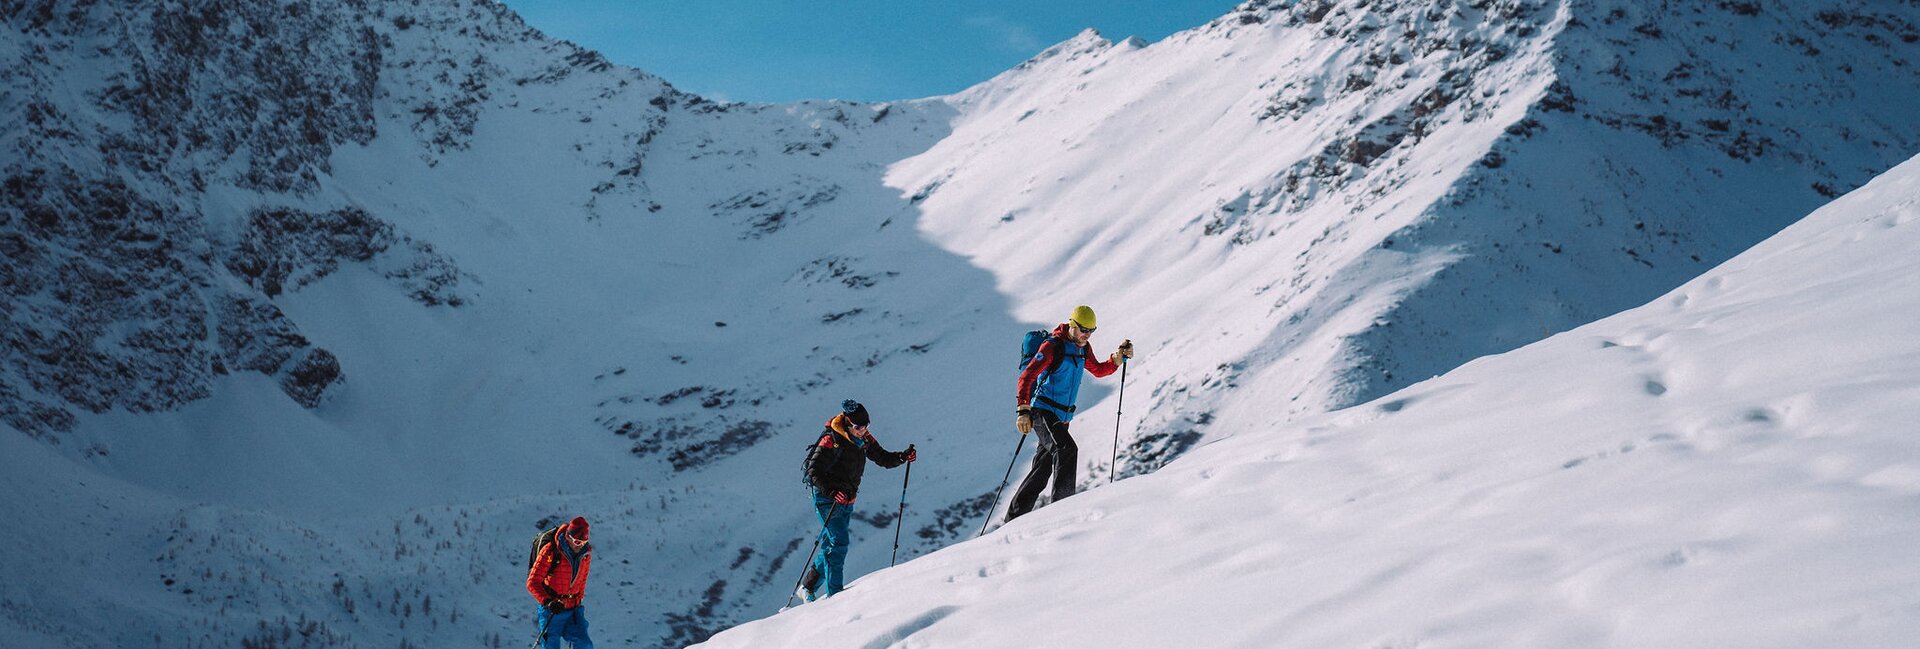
{"type": "Point", "coordinates": [542, 540]}
{"type": "Point", "coordinates": [806, 467]}
{"type": "Point", "coordinates": [806, 463]}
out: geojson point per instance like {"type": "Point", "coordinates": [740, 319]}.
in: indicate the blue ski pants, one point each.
{"type": "Point", "coordinates": [570, 625]}
{"type": "Point", "coordinates": [834, 540]}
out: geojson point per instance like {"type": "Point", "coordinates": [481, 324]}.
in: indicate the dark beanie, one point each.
{"type": "Point", "coordinates": [855, 411]}
{"type": "Point", "coordinates": [577, 528]}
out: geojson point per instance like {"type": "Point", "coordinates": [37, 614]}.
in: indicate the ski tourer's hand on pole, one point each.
{"type": "Point", "coordinates": [1023, 419]}
{"type": "Point", "coordinates": [910, 455]}
{"type": "Point", "coordinates": [1125, 352]}
{"type": "Point", "coordinates": [555, 607]}
{"type": "Point", "coordinates": [842, 497]}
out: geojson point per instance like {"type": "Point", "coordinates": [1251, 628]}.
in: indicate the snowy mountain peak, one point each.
{"type": "Point", "coordinates": [1088, 40]}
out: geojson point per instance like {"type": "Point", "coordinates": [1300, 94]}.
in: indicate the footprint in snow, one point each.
{"type": "Point", "coordinates": [1639, 347]}
{"type": "Point", "coordinates": [997, 568]}
{"type": "Point", "coordinates": [1625, 448]}
{"type": "Point", "coordinates": [895, 635]}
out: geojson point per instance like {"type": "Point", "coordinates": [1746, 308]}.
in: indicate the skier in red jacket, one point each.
{"type": "Point", "coordinates": [558, 581]}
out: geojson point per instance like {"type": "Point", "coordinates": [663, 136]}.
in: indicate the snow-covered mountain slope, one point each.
{"type": "Point", "coordinates": [1320, 202]}
{"type": "Point", "coordinates": [327, 306]}
{"type": "Point", "coordinates": [1729, 465]}
{"type": "Point", "coordinates": [535, 284]}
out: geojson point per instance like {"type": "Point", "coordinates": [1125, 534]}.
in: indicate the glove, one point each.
{"type": "Point", "coordinates": [842, 497]}
{"type": "Point", "coordinates": [1125, 351]}
{"type": "Point", "coordinates": [1023, 420]}
{"type": "Point", "coordinates": [555, 607]}
{"type": "Point", "coordinates": [910, 455]}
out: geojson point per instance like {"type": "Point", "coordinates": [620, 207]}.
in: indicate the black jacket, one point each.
{"type": "Point", "coordinates": [835, 462]}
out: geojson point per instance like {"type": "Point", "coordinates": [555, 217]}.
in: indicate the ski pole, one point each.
{"type": "Point", "coordinates": [1003, 485]}
{"type": "Point", "coordinates": [1113, 468]}
{"type": "Point", "coordinates": [898, 516]}
{"type": "Point", "coordinates": [810, 553]}
{"type": "Point", "coordinates": [542, 640]}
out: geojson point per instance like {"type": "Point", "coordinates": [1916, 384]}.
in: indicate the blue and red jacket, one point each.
{"type": "Point", "coordinates": [1055, 387]}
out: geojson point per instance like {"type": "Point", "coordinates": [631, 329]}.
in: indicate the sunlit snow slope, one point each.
{"type": "Point", "coordinates": [1730, 465]}
{"type": "Point", "coordinates": [1302, 206]}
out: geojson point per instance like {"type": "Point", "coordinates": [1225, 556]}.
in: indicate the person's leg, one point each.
{"type": "Point", "coordinates": [810, 579]}
{"type": "Point", "coordinates": [551, 628]}
{"type": "Point", "coordinates": [815, 577]}
{"type": "Point", "coordinates": [1036, 480]}
{"type": "Point", "coordinates": [1066, 458]}
{"type": "Point", "coordinates": [834, 548]}
{"type": "Point", "coordinates": [575, 630]}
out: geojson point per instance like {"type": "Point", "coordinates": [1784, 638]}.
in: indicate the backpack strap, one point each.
{"type": "Point", "coordinates": [1059, 354]}
{"type": "Point", "coordinates": [553, 542]}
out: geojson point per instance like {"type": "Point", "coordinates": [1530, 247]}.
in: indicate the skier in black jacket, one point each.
{"type": "Point", "coordinates": [834, 465]}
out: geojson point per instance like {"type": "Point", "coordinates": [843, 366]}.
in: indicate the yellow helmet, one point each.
{"type": "Point", "coordinates": [1083, 317]}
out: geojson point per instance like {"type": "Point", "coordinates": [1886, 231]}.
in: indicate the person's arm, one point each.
{"type": "Point", "coordinates": [881, 456]}
{"type": "Point", "coordinates": [537, 577]}
{"type": "Point", "coordinates": [1100, 368]}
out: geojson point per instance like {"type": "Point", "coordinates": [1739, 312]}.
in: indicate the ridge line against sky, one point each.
{"type": "Point", "coordinates": [862, 50]}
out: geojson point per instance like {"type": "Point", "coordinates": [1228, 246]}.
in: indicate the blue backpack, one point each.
{"type": "Point", "coordinates": [1030, 346]}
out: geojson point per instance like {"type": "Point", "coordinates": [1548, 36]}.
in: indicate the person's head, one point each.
{"type": "Point", "coordinates": [576, 531]}
{"type": "Point", "coordinates": [1081, 324]}
{"type": "Point", "coordinates": [856, 416]}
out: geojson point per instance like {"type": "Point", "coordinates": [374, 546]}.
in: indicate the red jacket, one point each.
{"type": "Point", "coordinates": [556, 576]}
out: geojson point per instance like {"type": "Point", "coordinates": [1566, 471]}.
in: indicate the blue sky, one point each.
{"type": "Point", "coordinates": [870, 50]}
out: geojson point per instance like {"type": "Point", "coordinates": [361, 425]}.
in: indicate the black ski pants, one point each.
{"type": "Point", "coordinates": [1057, 457]}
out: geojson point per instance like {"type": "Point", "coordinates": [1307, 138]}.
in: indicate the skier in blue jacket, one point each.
{"type": "Point", "coordinates": [1048, 389]}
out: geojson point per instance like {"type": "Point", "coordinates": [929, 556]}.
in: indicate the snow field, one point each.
{"type": "Point", "coordinates": [1232, 199]}
{"type": "Point", "coordinates": [1726, 466]}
